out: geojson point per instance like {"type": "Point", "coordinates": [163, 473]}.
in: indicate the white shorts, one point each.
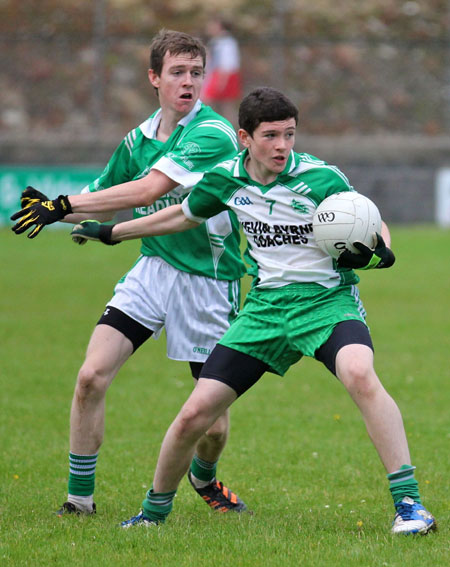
{"type": "Point", "coordinates": [194, 310]}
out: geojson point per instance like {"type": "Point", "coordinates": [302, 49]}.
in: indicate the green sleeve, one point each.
{"type": "Point", "coordinates": [336, 181]}
{"type": "Point", "coordinates": [204, 146]}
{"type": "Point", "coordinates": [116, 170]}
{"type": "Point", "coordinates": [208, 197]}
{"type": "Point", "coordinates": [327, 180]}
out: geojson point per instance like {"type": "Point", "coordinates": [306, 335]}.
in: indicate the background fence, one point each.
{"type": "Point", "coordinates": [54, 84]}
{"type": "Point", "coordinates": [372, 81]}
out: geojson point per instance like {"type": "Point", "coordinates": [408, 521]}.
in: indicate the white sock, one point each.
{"type": "Point", "coordinates": [83, 503]}
{"type": "Point", "coordinates": [200, 483]}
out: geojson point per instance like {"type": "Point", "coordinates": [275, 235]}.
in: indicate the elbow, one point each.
{"type": "Point", "coordinates": [191, 224]}
{"type": "Point", "coordinates": [145, 197]}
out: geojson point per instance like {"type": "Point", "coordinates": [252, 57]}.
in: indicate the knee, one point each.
{"type": "Point", "coordinates": [192, 421]}
{"type": "Point", "coordinates": [92, 381]}
{"type": "Point", "coordinates": [360, 379]}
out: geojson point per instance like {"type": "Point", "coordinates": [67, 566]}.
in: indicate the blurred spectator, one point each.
{"type": "Point", "coordinates": [222, 86]}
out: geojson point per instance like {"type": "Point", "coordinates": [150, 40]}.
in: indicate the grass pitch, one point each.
{"type": "Point", "coordinates": [298, 452]}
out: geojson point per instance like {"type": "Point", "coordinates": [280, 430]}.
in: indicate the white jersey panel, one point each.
{"type": "Point", "coordinates": [218, 228]}
{"type": "Point", "coordinates": [187, 179]}
{"type": "Point", "coordinates": [278, 227]}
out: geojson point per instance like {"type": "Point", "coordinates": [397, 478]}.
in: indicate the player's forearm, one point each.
{"type": "Point", "coordinates": [386, 234]}
{"type": "Point", "coordinates": [166, 221]}
{"type": "Point", "coordinates": [135, 193]}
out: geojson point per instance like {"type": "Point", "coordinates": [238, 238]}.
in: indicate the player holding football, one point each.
{"type": "Point", "coordinates": [302, 301]}
{"type": "Point", "coordinates": [188, 284]}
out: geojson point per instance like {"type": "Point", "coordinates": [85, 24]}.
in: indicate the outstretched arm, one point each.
{"type": "Point", "coordinates": [136, 193]}
{"type": "Point", "coordinates": [140, 192]}
{"type": "Point", "coordinates": [167, 221]}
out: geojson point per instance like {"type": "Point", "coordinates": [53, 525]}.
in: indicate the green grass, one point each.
{"type": "Point", "coordinates": [298, 451]}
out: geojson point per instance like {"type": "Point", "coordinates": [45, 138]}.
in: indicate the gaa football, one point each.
{"type": "Point", "coordinates": [344, 218]}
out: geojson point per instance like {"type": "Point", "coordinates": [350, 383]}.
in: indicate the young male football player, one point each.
{"type": "Point", "coordinates": [302, 302]}
{"type": "Point", "coordinates": [188, 284]}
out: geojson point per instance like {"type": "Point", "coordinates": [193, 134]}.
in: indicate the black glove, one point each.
{"type": "Point", "coordinates": [381, 257]}
{"type": "Point", "coordinates": [41, 214]}
{"type": "Point", "coordinates": [31, 196]}
{"type": "Point", "coordinates": [93, 230]}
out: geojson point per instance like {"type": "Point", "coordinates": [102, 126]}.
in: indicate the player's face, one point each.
{"type": "Point", "coordinates": [269, 146]}
{"type": "Point", "coordinates": [179, 83]}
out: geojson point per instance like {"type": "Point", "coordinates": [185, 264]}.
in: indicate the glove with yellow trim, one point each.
{"type": "Point", "coordinates": [31, 196]}
{"type": "Point", "coordinates": [93, 230]}
{"type": "Point", "coordinates": [380, 257]}
{"type": "Point", "coordinates": [39, 214]}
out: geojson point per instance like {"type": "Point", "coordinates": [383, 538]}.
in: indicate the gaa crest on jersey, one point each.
{"type": "Point", "coordinates": [241, 201]}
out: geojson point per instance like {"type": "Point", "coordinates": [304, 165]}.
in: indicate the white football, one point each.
{"type": "Point", "coordinates": [344, 218]}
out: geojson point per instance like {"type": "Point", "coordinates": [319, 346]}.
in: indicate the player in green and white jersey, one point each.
{"type": "Point", "coordinates": [199, 140]}
{"type": "Point", "coordinates": [302, 303]}
{"type": "Point", "coordinates": [188, 284]}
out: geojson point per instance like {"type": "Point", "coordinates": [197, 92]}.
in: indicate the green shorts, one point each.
{"type": "Point", "coordinates": [280, 325]}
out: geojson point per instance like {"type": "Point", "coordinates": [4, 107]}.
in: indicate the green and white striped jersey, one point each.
{"type": "Point", "coordinates": [276, 218]}
{"type": "Point", "coordinates": [201, 140]}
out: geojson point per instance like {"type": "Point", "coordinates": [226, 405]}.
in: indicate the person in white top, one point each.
{"type": "Point", "coordinates": [222, 88]}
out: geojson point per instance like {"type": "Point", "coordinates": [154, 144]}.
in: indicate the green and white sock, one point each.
{"type": "Point", "coordinates": [202, 472]}
{"type": "Point", "coordinates": [82, 479]}
{"type": "Point", "coordinates": [158, 505]}
{"type": "Point", "coordinates": [402, 483]}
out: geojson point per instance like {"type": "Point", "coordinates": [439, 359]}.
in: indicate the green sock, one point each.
{"type": "Point", "coordinates": [158, 505]}
{"type": "Point", "coordinates": [402, 483]}
{"type": "Point", "coordinates": [203, 470]}
{"type": "Point", "coordinates": [82, 474]}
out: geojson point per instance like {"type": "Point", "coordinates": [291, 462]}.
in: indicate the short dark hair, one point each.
{"type": "Point", "coordinates": [265, 104]}
{"type": "Point", "coordinates": [175, 43]}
